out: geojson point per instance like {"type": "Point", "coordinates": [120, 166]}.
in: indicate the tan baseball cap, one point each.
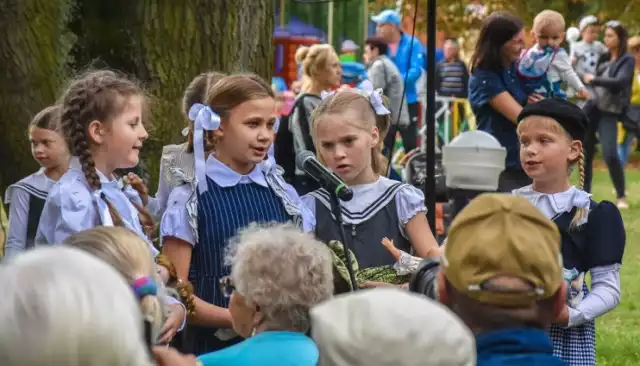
{"type": "Point", "coordinates": [500, 235]}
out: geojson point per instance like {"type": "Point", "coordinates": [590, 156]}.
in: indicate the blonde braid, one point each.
{"type": "Point", "coordinates": [580, 212]}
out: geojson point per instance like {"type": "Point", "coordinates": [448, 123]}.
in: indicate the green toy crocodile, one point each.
{"type": "Point", "coordinates": [387, 274]}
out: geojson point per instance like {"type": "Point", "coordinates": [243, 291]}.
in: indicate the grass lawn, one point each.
{"type": "Point", "coordinates": [618, 333]}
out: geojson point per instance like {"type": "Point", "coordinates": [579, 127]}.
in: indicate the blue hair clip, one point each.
{"type": "Point", "coordinates": [144, 286]}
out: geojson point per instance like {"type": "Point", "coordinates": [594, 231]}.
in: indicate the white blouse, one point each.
{"type": "Point", "coordinates": [72, 206]}
{"type": "Point", "coordinates": [605, 280]}
{"type": "Point", "coordinates": [17, 196]}
{"type": "Point", "coordinates": [409, 201]}
{"type": "Point", "coordinates": [176, 219]}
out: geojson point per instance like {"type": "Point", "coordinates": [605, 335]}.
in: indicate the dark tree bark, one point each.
{"type": "Point", "coordinates": [177, 40]}
{"type": "Point", "coordinates": [34, 50]}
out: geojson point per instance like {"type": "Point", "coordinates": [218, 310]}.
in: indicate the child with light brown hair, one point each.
{"type": "Point", "coordinates": [546, 65]}
{"type": "Point", "coordinates": [130, 255]}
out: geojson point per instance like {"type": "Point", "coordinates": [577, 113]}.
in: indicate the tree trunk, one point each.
{"type": "Point", "coordinates": [34, 49]}
{"type": "Point", "coordinates": [177, 40]}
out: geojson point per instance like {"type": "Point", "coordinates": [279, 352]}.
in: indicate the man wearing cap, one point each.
{"type": "Point", "coordinates": [502, 275]}
{"type": "Point", "coordinates": [408, 55]}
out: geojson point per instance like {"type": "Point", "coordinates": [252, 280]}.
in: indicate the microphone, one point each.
{"type": "Point", "coordinates": [307, 162]}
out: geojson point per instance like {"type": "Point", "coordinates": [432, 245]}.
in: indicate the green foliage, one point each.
{"type": "Point", "coordinates": [348, 18]}
{"type": "Point", "coordinates": [174, 41]}
{"type": "Point", "coordinates": [453, 20]}
{"type": "Point", "coordinates": [34, 55]}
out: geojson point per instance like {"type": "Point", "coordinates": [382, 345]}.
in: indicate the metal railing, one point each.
{"type": "Point", "coordinates": [449, 123]}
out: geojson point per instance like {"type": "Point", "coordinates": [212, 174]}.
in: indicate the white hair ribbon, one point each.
{"type": "Point", "coordinates": [204, 118]}
{"type": "Point", "coordinates": [375, 97]}
{"type": "Point", "coordinates": [103, 208]}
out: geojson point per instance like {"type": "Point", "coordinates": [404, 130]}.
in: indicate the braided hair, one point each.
{"type": "Point", "coordinates": [95, 96]}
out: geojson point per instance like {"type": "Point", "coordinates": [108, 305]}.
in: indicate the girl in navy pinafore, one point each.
{"type": "Point", "coordinates": [234, 187]}
{"type": "Point", "coordinates": [593, 234]}
{"type": "Point", "coordinates": [346, 128]}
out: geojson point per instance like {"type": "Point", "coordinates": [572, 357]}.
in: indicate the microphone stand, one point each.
{"type": "Point", "coordinates": [337, 214]}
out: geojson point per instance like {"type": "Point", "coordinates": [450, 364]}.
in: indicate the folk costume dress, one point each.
{"type": "Point", "coordinates": [208, 218]}
{"type": "Point", "coordinates": [596, 245]}
{"type": "Point", "coordinates": [377, 210]}
{"type": "Point", "coordinates": [26, 200]}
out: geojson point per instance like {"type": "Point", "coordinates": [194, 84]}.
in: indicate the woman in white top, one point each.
{"type": "Point", "coordinates": [26, 197]}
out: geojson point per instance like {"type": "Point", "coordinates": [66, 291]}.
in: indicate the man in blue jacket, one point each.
{"type": "Point", "coordinates": [408, 54]}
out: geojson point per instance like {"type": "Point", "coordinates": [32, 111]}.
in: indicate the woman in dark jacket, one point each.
{"type": "Point", "coordinates": [610, 100]}
{"type": "Point", "coordinates": [495, 92]}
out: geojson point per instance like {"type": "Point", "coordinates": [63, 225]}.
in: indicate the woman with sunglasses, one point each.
{"type": "Point", "coordinates": [277, 275]}
{"type": "Point", "coordinates": [611, 97]}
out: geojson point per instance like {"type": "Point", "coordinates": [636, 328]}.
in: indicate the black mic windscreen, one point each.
{"type": "Point", "coordinates": [302, 157]}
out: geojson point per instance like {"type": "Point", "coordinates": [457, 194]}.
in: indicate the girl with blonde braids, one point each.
{"type": "Point", "coordinates": [593, 236]}
{"type": "Point", "coordinates": [346, 129]}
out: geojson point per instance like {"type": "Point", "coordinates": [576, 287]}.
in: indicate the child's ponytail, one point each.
{"type": "Point", "coordinates": [146, 290]}
{"type": "Point", "coordinates": [130, 255]}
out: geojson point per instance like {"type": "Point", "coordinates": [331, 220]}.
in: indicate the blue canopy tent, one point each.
{"type": "Point", "coordinates": [298, 28]}
{"type": "Point", "coordinates": [295, 28]}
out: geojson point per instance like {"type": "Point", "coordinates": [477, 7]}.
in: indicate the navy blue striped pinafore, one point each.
{"type": "Point", "coordinates": [222, 212]}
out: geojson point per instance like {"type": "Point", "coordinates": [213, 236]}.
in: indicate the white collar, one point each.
{"type": "Point", "coordinates": [558, 202]}
{"type": "Point", "coordinates": [224, 176]}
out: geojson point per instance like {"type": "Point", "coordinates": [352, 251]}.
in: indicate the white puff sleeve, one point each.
{"type": "Point", "coordinates": [309, 203]}
{"type": "Point", "coordinates": [18, 221]}
{"type": "Point", "coordinates": [409, 202]}
{"type": "Point", "coordinates": [69, 209]}
{"type": "Point", "coordinates": [175, 220]}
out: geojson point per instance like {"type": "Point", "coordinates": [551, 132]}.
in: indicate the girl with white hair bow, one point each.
{"type": "Point", "coordinates": [348, 130]}
{"type": "Point", "coordinates": [236, 185]}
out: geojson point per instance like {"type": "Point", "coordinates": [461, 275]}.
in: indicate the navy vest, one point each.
{"type": "Point", "coordinates": [222, 212]}
{"type": "Point", "coordinates": [377, 221]}
{"type": "Point", "coordinates": [37, 199]}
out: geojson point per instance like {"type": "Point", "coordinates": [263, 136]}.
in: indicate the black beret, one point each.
{"type": "Point", "coordinates": [571, 117]}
